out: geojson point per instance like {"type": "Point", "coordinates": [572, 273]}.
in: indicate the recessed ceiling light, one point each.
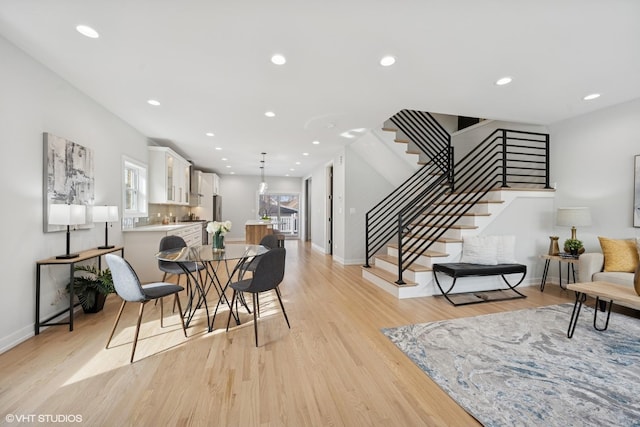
{"type": "Point", "coordinates": [270, 114]}
{"type": "Point", "coordinates": [387, 61]}
{"type": "Point", "coordinates": [232, 173]}
{"type": "Point", "coordinates": [210, 134]}
{"type": "Point", "coordinates": [87, 31]}
{"type": "Point", "coordinates": [297, 163]}
{"type": "Point", "coordinates": [591, 96]}
{"type": "Point", "coordinates": [278, 59]}
{"type": "Point", "coordinates": [218, 148]}
{"type": "Point", "coordinates": [315, 142]}
{"type": "Point", "coordinates": [224, 159]}
{"type": "Point", "coordinates": [504, 81]}
{"type": "Point", "coordinates": [153, 102]}
{"type": "Point", "coordinates": [292, 169]}
{"type": "Point", "coordinates": [305, 154]}
{"type": "Point", "coordinates": [228, 166]}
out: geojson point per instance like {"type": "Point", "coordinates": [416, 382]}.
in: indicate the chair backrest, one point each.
{"type": "Point", "coordinates": [170, 242]}
{"type": "Point", "coordinates": [269, 272]}
{"type": "Point", "coordinates": [269, 241]}
{"type": "Point", "coordinates": [125, 279]}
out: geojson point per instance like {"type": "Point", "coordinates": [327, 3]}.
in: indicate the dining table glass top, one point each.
{"type": "Point", "coordinates": [199, 253]}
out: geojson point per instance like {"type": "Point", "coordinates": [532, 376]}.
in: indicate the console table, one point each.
{"type": "Point", "coordinates": [71, 263]}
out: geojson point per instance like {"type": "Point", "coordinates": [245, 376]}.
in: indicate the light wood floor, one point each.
{"type": "Point", "coordinates": [334, 367]}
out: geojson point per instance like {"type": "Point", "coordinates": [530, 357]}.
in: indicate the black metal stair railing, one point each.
{"type": "Point", "coordinates": [427, 134]}
{"type": "Point", "coordinates": [504, 158]}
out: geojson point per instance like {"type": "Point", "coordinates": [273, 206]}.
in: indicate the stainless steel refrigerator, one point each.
{"type": "Point", "coordinates": [217, 208]}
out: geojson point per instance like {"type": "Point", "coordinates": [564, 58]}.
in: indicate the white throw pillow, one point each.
{"type": "Point", "coordinates": [506, 250]}
{"type": "Point", "coordinates": [480, 250]}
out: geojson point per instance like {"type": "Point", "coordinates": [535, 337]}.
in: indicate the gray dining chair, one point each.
{"type": "Point", "coordinates": [269, 241]}
{"type": "Point", "coordinates": [129, 288]}
{"type": "Point", "coordinates": [267, 276]}
{"type": "Point", "coordinates": [168, 267]}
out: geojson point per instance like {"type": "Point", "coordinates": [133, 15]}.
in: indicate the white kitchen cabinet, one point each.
{"type": "Point", "coordinates": [168, 177]}
{"type": "Point", "coordinates": [192, 235]}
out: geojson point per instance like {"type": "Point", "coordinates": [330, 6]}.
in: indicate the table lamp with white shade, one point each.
{"type": "Point", "coordinates": [67, 215]}
{"type": "Point", "coordinates": [572, 217]}
{"type": "Point", "coordinates": [105, 214]}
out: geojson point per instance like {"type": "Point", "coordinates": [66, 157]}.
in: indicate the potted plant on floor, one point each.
{"type": "Point", "coordinates": [92, 288]}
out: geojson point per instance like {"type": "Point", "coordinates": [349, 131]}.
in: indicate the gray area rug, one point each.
{"type": "Point", "coordinates": [520, 369]}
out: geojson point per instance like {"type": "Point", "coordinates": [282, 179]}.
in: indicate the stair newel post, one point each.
{"type": "Point", "coordinates": [504, 158]}
{"type": "Point", "coordinates": [366, 240]}
{"type": "Point", "coordinates": [546, 162]}
{"type": "Point", "coordinates": [400, 227]}
{"type": "Point", "coordinates": [451, 175]}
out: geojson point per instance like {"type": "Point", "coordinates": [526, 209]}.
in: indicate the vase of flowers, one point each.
{"type": "Point", "coordinates": [218, 229]}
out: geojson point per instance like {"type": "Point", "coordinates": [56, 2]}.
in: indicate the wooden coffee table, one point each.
{"type": "Point", "coordinates": [605, 291]}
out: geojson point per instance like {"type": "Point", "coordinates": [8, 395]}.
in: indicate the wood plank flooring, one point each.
{"type": "Point", "coordinates": [333, 367]}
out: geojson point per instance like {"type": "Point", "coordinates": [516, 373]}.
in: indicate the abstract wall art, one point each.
{"type": "Point", "coordinates": [636, 193]}
{"type": "Point", "coordinates": [68, 176]}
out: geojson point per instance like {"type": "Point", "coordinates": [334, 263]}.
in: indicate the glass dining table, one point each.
{"type": "Point", "coordinates": [210, 260]}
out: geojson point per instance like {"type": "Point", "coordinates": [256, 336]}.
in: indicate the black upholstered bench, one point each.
{"type": "Point", "coordinates": [463, 269]}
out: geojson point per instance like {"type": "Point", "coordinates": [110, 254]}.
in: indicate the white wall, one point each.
{"type": "Point", "coordinates": [33, 100]}
{"type": "Point", "coordinates": [592, 161]}
{"type": "Point", "coordinates": [240, 198]}
{"type": "Point", "coordinates": [468, 138]}
{"type": "Point", "coordinates": [365, 186]}
{"type": "Point", "coordinates": [319, 206]}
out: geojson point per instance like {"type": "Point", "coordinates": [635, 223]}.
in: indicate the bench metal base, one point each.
{"type": "Point", "coordinates": [456, 270]}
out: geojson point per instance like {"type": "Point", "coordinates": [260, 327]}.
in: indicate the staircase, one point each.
{"type": "Point", "coordinates": [426, 218]}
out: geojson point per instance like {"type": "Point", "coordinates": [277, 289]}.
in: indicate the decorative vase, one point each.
{"type": "Point", "coordinates": [554, 249]}
{"type": "Point", "coordinates": [218, 241]}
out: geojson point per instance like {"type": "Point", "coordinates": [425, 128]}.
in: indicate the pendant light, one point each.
{"type": "Point", "coordinates": [262, 189]}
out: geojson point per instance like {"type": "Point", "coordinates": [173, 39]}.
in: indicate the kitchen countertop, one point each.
{"type": "Point", "coordinates": [162, 227]}
{"type": "Point", "coordinates": [260, 222]}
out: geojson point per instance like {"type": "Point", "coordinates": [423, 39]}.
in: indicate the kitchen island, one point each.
{"type": "Point", "coordinates": [256, 229]}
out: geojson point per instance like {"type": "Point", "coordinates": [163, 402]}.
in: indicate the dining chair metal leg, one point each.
{"type": "Point", "coordinates": [255, 316]}
{"type": "Point", "coordinates": [177, 301]}
{"type": "Point", "coordinates": [116, 323]}
{"type": "Point", "coordinates": [161, 312]}
{"type": "Point", "coordinates": [282, 306]}
{"type": "Point", "coordinates": [233, 298]}
{"type": "Point", "coordinates": [135, 339]}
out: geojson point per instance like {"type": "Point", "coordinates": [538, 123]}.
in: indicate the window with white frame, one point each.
{"type": "Point", "coordinates": [283, 209]}
{"type": "Point", "coordinates": [134, 188]}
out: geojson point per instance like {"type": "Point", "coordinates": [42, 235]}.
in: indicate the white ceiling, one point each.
{"type": "Point", "coordinates": [208, 63]}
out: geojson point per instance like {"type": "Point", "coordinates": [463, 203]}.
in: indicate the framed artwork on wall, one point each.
{"type": "Point", "coordinates": [636, 192]}
{"type": "Point", "coordinates": [68, 177]}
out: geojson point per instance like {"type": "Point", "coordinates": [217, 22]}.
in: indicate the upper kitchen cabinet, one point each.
{"type": "Point", "coordinates": [168, 177]}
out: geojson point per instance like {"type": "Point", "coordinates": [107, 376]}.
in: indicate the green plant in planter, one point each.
{"type": "Point", "coordinates": [87, 287]}
{"type": "Point", "coordinates": [573, 245]}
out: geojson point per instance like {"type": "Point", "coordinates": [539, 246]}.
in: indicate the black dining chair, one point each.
{"type": "Point", "coordinates": [269, 241]}
{"type": "Point", "coordinates": [267, 276]}
{"type": "Point", "coordinates": [168, 267]}
{"type": "Point", "coordinates": [128, 287]}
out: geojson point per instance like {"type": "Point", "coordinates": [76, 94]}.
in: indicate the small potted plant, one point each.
{"type": "Point", "coordinates": [92, 289]}
{"type": "Point", "coordinates": [573, 246]}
